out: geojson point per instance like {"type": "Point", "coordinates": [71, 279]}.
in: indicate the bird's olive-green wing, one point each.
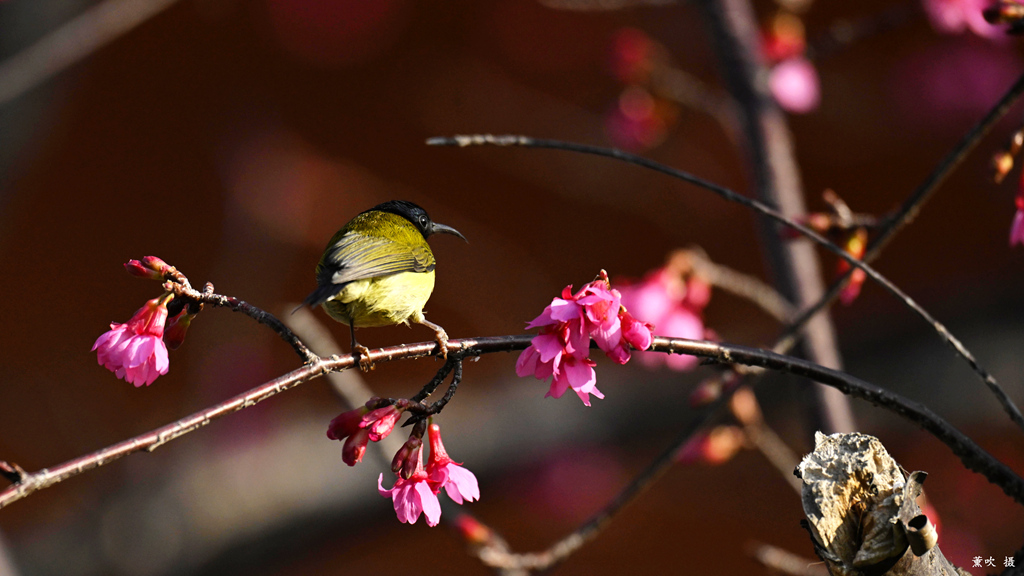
{"type": "Point", "coordinates": [357, 256]}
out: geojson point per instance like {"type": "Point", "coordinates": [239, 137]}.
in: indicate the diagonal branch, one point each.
{"type": "Point", "coordinates": [525, 141]}
{"type": "Point", "coordinates": [181, 287]}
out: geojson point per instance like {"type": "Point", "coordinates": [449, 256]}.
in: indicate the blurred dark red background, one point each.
{"type": "Point", "coordinates": [233, 138]}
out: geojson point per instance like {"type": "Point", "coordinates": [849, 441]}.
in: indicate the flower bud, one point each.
{"type": "Point", "coordinates": [856, 244]}
{"type": "Point", "coordinates": [149, 267]}
{"type": "Point", "coordinates": [409, 458]}
{"type": "Point", "coordinates": [346, 423]}
{"type": "Point", "coordinates": [156, 264]}
{"type": "Point", "coordinates": [715, 447]}
{"type": "Point", "coordinates": [354, 448]}
{"type": "Point", "coordinates": [174, 333]}
{"type": "Point", "coordinates": [381, 422]}
{"type": "Point", "coordinates": [472, 530]}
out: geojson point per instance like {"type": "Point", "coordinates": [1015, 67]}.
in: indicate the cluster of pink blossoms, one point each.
{"type": "Point", "coordinates": [562, 350]}
{"type": "Point", "coordinates": [416, 488]}
{"type": "Point", "coordinates": [137, 349]}
{"type": "Point", "coordinates": [674, 304]}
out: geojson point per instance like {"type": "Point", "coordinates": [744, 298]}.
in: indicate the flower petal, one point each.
{"type": "Point", "coordinates": [462, 484]}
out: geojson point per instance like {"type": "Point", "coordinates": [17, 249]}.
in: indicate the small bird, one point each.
{"type": "Point", "coordinates": [378, 270]}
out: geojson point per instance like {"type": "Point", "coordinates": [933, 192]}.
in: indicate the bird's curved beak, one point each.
{"type": "Point", "coordinates": [435, 228]}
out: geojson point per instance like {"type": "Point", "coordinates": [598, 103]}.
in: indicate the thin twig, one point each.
{"type": "Point", "coordinates": [509, 140]}
{"type": "Point", "coordinates": [776, 451]}
{"type": "Point", "coordinates": [743, 285]}
{"type": "Point", "coordinates": [436, 381]}
{"type": "Point", "coordinates": [972, 455]}
{"type": "Point", "coordinates": [236, 305]}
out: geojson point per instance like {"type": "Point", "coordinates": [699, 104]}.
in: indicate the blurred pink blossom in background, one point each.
{"type": "Point", "coordinates": [957, 16]}
{"type": "Point", "coordinates": [674, 306]}
{"type": "Point", "coordinates": [794, 84]}
{"type": "Point", "coordinates": [1017, 229]}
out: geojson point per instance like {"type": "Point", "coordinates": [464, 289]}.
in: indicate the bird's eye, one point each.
{"type": "Point", "coordinates": [423, 220]}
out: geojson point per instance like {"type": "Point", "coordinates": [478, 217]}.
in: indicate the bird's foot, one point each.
{"type": "Point", "coordinates": [439, 335]}
{"type": "Point", "coordinates": [363, 354]}
{"type": "Point", "coordinates": [442, 341]}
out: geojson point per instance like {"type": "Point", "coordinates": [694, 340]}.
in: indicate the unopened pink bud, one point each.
{"type": "Point", "coordinates": [472, 530]}
{"type": "Point", "coordinates": [346, 423]}
{"type": "Point", "coordinates": [409, 458]}
{"type": "Point", "coordinates": [135, 268]}
{"type": "Point", "coordinates": [381, 422]}
{"type": "Point", "coordinates": [354, 448]}
{"type": "Point", "coordinates": [174, 333]}
{"type": "Point", "coordinates": [715, 447]}
{"type": "Point", "coordinates": [149, 267]}
{"type": "Point", "coordinates": [154, 263]}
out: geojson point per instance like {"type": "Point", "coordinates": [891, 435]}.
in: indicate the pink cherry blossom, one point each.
{"type": "Point", "coordinates": [957, 16]}
{"type": "Point", "coordinates": [135, 350]}
{"type": "Point", "coordinates": [794, 84]}
{"type": "Point", "coordinates": [634, 333]}
{"type": "Point", "coordinates": [675, 306]}
{"type": "Point", "coordinates": [561, 351]}
{"type": "Point", "coordinates": [460, 484]}
{"type": "Point", "coordinates": [600, 305]}
{"type": "Point", "coordinates": [578, 374]}
{"type": "Point", "coordinates": [411, 497]}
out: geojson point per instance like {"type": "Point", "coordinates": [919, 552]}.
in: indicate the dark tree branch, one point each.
{"type": "Point", "coordinates": [972, 456]}
{"type": "Point", "coordinates": [509, 140]}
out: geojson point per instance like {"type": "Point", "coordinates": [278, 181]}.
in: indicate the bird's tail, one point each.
{"type": "Point", "coordinates": [319, 296]}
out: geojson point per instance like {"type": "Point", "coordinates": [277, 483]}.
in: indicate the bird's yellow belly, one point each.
{"type": "Point", "coordinates": [394, 299]}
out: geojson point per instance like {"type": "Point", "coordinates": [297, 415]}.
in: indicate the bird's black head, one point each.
{"type": "Point", "coordinates": [418, 216]}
